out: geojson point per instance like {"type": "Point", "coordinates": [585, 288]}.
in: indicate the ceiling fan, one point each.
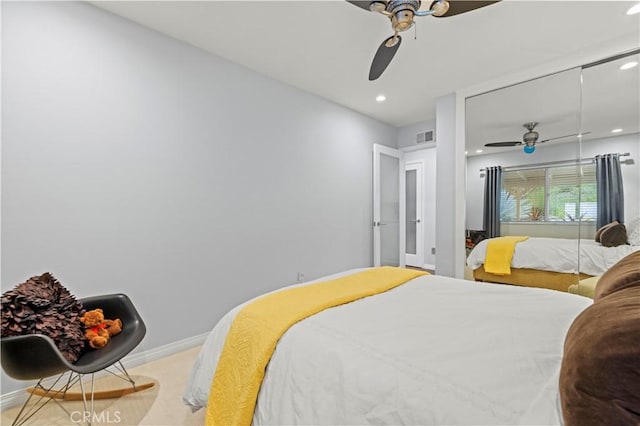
{"type": "Point", "coordinates": [530, 138]}
{"type": "Point", "coordinates": [401, 13]}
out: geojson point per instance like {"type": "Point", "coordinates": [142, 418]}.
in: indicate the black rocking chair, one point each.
{"type": "Point", "coordinates": [36, 357]}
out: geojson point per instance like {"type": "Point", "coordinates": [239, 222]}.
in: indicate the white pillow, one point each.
{"type": "Point", "coordinates": [633, 231]}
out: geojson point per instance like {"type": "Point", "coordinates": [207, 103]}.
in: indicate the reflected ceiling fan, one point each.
{"type": "Point", "coordinates": [401, 13]}
{"type": "Point", "coordinates": [530, 139]}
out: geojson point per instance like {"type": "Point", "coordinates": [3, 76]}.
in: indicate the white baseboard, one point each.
{"type": "Point", "coordinates": [429, 266]}
{"type": "Point", "coordinates": [12, 399]}
{"type": "Point", "coordinates": [19, 396]}
{"type": "Point", "coordinates": [139, 358]}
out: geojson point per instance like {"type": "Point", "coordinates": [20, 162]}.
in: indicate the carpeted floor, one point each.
{"type": "Point", "coordinates": [159, 405]}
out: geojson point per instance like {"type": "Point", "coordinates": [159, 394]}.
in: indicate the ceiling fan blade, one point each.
{"type": "Point", "coordinates": [458, 7]}
{"type": "Point", "coordinates": [499, 144]}
{"type": "Point", "coordinates": [383, 57]}
{"type": "Point", "coordinates": [361, 4]}
{"type": "Point", "coordinates": [565, 136]}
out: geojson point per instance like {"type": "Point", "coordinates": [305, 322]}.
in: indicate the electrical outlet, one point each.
{"type": "Point", "coordinates": [433, 250]}
{"type": "Point", "coordinates": [300, 277]}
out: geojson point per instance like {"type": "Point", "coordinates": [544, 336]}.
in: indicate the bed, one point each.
{"type": "Point", "coordinates": [433, 351]}
{"type": "Point", "coordinates": [550, 262]}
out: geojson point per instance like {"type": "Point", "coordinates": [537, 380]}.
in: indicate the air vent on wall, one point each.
{"type": "Point", "coordinates": [424, 137]}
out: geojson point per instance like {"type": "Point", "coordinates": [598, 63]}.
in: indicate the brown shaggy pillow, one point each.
{"type": "Point", "coordinates": [614, 236]}
{"type": "Point", "coordinates": [624, 274]}
{"type": "Point", "coordinates": [41, 305]}
{"type": "Point", "coordinates": [603, 228]}
{"type": "Point", "coordinates": [600, 373]}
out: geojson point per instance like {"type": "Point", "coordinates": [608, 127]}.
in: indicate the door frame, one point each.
{"type": "Point", "coordinates": [379, 150]}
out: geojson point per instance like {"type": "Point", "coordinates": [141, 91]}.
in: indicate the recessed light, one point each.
{"type": "Point", "coordinates": [466, 152]}
{"type": "Point", "coordinates": [478, 151]}
{"type": "Point", "coordinates": [634, 9]}
{"type": "Point", "coordinates": [629, 65]}
{"type": "Point", "coordinates": [381, 98]}
{"type": "Point", "coordinates": [616, 130]}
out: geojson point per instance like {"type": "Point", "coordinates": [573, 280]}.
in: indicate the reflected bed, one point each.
{"type": "Point", "coordinates": [550, 262]}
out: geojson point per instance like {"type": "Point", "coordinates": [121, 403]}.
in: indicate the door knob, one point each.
{"type": "Point", "coordinates": [416, 221]}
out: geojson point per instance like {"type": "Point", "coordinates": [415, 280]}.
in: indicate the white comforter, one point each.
{"type": "Point", "coordinates": [434, 351]}
{"type": "Point", "coordinates": [558, 255]}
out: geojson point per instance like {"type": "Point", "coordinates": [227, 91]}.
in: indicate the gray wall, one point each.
{"type": "Point", "coordinates": [557, 152]}
{"type": "Point", "coordinates": [134, 163]}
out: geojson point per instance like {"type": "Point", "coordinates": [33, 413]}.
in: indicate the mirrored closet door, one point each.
{"type": "Point", "coordinates": [552, 160]}
{"type": "Point", "coordinates": [524, 180]}
{"type": "Point", "coordinates": [610, 114]}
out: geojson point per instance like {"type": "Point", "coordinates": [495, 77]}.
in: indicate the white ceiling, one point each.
{"type": "Point", "coordinates": [326, 47]}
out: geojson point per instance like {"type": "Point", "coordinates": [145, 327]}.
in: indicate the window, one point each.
{"type": "Point", "coordinates": [549, 194]}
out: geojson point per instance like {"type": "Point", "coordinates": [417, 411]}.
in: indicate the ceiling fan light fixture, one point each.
{"type": "Point", "coordinates": [529, 149]}
{"type": "Point", "coordinates": [401, 13]}
{"type": "Point", "coordinates": [377, 6]}
{"type": "Point", "coordinates": [381, 98]}
{"type": "Point", "coordinates": [439, 8]}
{"type": "Point", "coordinates": [402, 20]}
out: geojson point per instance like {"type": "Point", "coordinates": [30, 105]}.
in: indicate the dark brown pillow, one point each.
{"type": "Point", "coordinates": [600, 372]}
{"type": "Point", "coordinates": [603, 228]}
{"type": "Point", "coordinates": [614, 236]}
{"type": "Point", "coordinates": [41, 305]}
{"type": "Point", "coordinates": [625, 273]}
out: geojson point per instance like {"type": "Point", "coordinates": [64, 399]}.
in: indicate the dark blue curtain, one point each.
{"type": "Point", "coordinates": [492, 178]}
{"type": "Point", "coordinates": [609, 189]}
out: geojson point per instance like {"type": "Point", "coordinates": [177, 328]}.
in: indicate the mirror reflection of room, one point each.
{"type": "Point", "coordinates": [552, 166]}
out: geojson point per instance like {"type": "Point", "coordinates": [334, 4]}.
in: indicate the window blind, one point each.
{"type": "Point", "coordinates": [562, 193]}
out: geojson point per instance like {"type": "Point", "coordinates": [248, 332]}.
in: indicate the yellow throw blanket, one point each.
{"type": "Point", "coordinates": [499, 254]}
{"type": "Point", "coordinates": [258, 326]}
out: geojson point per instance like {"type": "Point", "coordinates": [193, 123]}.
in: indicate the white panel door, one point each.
{"type": "Point", "coordinates": [388, 207]}
{"type": "Point", "coordinates": [414, 229]}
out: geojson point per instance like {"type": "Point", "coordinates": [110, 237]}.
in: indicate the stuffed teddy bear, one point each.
{"type": "Point", "coordinates": [98, 330]}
